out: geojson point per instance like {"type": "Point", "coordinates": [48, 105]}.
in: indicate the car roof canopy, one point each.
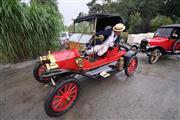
{"type": "Point", "coordinates": [103, 20]}
{"type": "Point", "coordinates": [98, 16]}
{"type": "Point", "coordinates": [171, 25]}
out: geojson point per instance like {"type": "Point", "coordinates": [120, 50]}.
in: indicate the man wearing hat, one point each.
{"type": "Point", "coordinates": [109, 42]}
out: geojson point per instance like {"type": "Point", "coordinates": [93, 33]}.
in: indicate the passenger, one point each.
{"type": "Point", "coordinates": [110, 40]}
{"type": "Point", "coordinates": [106, 33]}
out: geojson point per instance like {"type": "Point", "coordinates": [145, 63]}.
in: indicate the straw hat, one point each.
{"type": "Point", "coordinates": [119, 27]}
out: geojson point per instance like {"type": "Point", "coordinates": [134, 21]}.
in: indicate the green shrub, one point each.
{"type": "Point", "coordinates": [27, 31]}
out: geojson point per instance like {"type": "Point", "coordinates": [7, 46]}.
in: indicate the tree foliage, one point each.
{"type": "Point", "coordinates": [159, 21]}
{"type": "Point", "coordinates": [135, 23]}
{"type": "Point", "coordinates": [147, 10]}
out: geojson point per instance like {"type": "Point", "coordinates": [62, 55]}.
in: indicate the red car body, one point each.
{"type": "Point", "coordinates": [164, 42]}
{"type": "Point", "coordinates": [66, 59]}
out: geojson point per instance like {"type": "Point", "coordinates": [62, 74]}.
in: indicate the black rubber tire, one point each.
{"type": "Point", "coordinates": [150, 56]}
{"type": "Point", "coordinates": [174, 46]}
{"type": "Point", "coordinates": [35, 73]}
{"type": "Point", "coordinates": [48, 101]}
{"type": "Point", "coordinates": [127, 61]}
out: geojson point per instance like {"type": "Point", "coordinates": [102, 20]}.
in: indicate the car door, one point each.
{"type": "Point", "coordinates": [176, 36]}
{"type": "Point", "coordinates": [171, 39]}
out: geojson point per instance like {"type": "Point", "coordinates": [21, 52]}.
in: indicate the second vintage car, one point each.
{"type": "Point", "coordinates": [166, 40]}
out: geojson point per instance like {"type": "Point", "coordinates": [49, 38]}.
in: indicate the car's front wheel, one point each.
{"type": "Point", "coordinates": [154, 56]}
{"type": "Point", "coordinates": [62, 97]}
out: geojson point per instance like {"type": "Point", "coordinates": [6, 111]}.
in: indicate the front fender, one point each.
{"type": "Point", "coordinates": [128, 56]}
{"type": "Point", "coordinates": [130, 53]}
{"type": "Point", "coordinates": [57, 73]}
{"type": "Point", "coordinates": [151, 48]}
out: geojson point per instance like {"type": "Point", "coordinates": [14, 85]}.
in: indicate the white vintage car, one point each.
{"type": "Point", "coordinates": [64, 36]}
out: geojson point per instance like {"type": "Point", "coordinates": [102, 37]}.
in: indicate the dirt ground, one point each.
{"type": "Point", "coordinates": [153, 92]}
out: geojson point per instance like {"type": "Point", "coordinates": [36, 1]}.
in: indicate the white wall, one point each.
{"type": "Point", "coordinates": [136, 38]}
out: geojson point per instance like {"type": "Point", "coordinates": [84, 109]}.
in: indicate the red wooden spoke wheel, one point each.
{"type": "Point", "coordinates": [62, 97]}
{"type": "Point", "coordinates": [131, 66]}
{"type": "Point", "coordinates": [39, 69]}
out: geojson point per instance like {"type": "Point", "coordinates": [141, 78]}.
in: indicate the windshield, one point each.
{"type": "Point", "coordinates": [84, 27]}
{"type": "Point", "coordinates": [163, 32]}
{"type": "Point", "coordinates": [63, 34]}
{"type": "Point", "coordinates": [81, 38]}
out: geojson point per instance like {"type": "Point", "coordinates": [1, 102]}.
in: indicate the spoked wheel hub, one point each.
{"type": "Point", "coordinates": [131, 66]}
{"type": "Point", "coordinates": [64, 97]}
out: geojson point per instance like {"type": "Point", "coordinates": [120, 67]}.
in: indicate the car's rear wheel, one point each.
{"type": "Point", "coordinates": [62, 97]}
{"type": "Point", "coordinates": [131, 66]}
{"type": "Point", "coordinates": [176, 47]}
{"type": "Point", "coordinates": [38, 70]}
{"type": "Point", "coordinates": [155, 54]}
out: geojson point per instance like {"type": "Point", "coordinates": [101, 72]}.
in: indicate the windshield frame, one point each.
{"type": "Point", "coordinates": [163, 32]}
{"type": "Point", "coordinates": [80, 38]}
{"type": "Point", "coordinates": [91, 25]}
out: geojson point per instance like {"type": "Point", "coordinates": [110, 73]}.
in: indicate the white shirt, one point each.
{"type": "Point", "coordinates": [109, 42]}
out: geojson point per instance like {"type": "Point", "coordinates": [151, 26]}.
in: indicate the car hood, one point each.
{"type": "Point", "coordinates": [157, 39]}
{"type": "Point", "coordinates": [65, 55]}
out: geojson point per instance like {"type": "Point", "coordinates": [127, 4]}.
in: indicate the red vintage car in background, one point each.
{"type": "Point", "coordinates": [166, 40]}
{"type": "Point", "coordinates": [60, 68]}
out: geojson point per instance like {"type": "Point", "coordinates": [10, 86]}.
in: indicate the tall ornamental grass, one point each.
{"type": "Point", "coordinates": [27, 31]}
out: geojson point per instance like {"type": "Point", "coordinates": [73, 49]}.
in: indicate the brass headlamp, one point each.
{"type": "Point", "coordinates": [49, 60]}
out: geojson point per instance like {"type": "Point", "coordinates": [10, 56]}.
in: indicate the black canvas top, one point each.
{"type": "Point", "coordinates": [171, 25]}
{"type": "Point", "coordinates": [93, 16]}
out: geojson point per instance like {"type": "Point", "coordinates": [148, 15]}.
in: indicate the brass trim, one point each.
{"type": "Point", "coordinates": [79, 62]}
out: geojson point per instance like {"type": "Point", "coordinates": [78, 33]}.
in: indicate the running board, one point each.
{"type": "Point", "coordinates": [103, 70]}
{"type": "Point", "coordinates": [170, 53]}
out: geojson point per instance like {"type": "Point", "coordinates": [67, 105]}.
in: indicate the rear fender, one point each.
{"type": "Point", "coordinates": [128, 56]}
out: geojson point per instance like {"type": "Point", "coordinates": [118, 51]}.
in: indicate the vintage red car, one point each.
{"type": "Point", "coordinates": [61, 68]}
{"type": "Point", "coordinates": [166, 40]}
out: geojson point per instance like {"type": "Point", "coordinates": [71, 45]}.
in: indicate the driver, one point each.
{"type": "Point", "coordinates": [109, 42]}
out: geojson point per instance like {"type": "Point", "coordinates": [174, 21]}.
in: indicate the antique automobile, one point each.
{"type": "Point", "coordinates": [166, 40]}
{"type": "Point", "coordinates": [61, 69]}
